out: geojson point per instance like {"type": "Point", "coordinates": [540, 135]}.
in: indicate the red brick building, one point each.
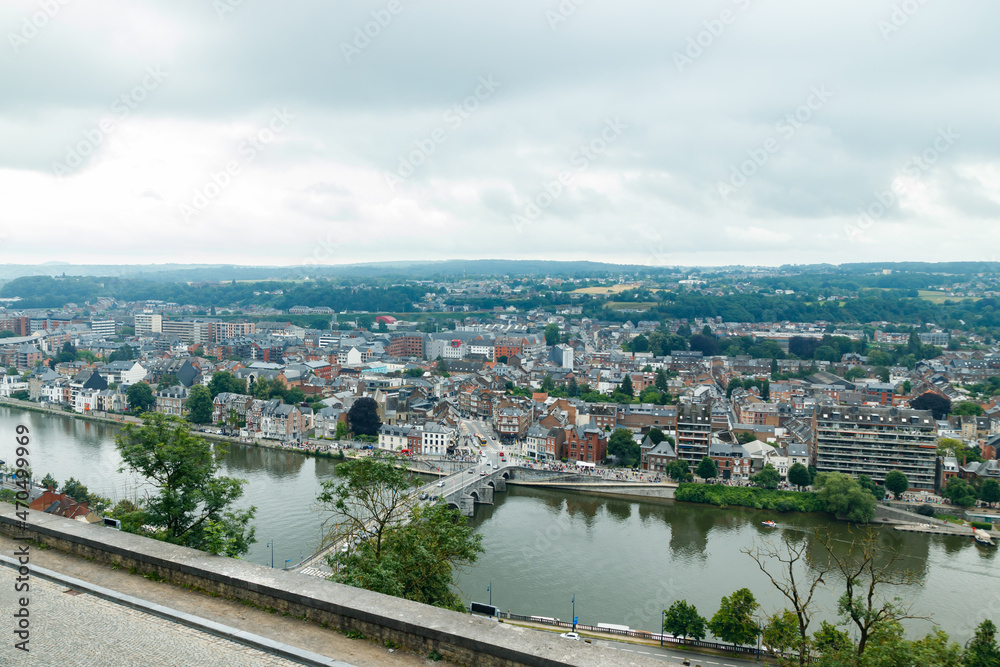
{"type": "Point", "coordinates": [585, 443]}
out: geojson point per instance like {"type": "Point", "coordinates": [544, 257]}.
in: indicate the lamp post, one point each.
{"type": "Point", "coordinates": [663, 622]}
{"type": "Point", "coordinates": [574, 612]}
{"type": "Point", "coordinates": [271, 545]}
{"type": "Point", "coordinates": [489, 589]}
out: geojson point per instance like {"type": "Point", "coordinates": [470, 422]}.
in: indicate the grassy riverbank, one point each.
{"type": "Point", "coordinates": [754, 498]}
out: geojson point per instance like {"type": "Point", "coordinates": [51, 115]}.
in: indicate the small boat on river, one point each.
{"type": "Point", "coordinates": [769, 524]}
{"type": "Point", "coordinates": [982, 537]}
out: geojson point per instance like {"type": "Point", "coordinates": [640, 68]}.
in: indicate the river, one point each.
{"type": "Point", "coordinates": [624, 561]}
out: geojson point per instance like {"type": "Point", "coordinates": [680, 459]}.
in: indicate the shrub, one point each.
{"type": "Point", "coordinates": [981, 524]}
{"type": "Point", "coordinates": [741, 496]}
{"type": "Point", "coordinates": [925, 510]}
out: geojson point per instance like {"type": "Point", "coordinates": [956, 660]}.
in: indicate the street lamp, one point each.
{"type": "Point", "coordinates": [574, 612]}
{"type": "Point", "coordinates": [271, 545]}
{"type": "Point", "coordinates": [663, 623]}
{"type": "Point", "coordinates": [489, 589]}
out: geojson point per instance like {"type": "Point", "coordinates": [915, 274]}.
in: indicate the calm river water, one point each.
{"type": "Point", "coordinates": [623, 560]}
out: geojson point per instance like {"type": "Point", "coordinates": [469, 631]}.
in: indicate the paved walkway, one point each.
{"type": "Point", "coordinates": [70, 630]}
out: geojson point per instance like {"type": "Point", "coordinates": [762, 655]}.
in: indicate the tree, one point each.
{"type": "Point", "coordinates": [224, 381]}
{"type": "Point", "coordinates": [547, 384]}
{"type": "Point", "coordinates": [373, 493]}
{"type": "Point", "coordinates": [707, 345]}
{"type": "Point", "coordinates": [790, 556]}
{"type": "Point", "coordinates": [683, 620]}
{"type": "Point", "coordinates": [199, 405]}
{"type": "Point", "coordinates": [869, 485]}
{"type": "Point", "coordinates": [896, 483]}
{"type": "Point", "coordinates": [363, 417]}
{"type": "Point", "coordinates": [959, 492]}
{"type": "Point", "coordinates": [968, 408]}
{"type": "Point", "coordinates": [552, 334]}
{"type": "Point", "coordinates": [573, 389]}
{"type": "Point", "coordinates": [341, 431]}
{"type": "Point", "coordinates": [937, 404]}
{"type": "Point", "coordinates": [623, 445]}
{"type": "Point", "coordinates": [854, 373]}
{"type": "Point", "coordinates": [656, 435]}
{"type": "Point", "coordinates": [765, 389]}
{"type": "Point", "coordinates": [843, 496]}
{"type": "Point", "coordinates": [49, 482]}
{"type": "Point", "coordinates": [781, 632]}
{"type": "Point", "coordinates": [124, 353]}
{"type": "Point", "coordinates": [416, 560]}
{"type": "Point", "coordinates": [294, 396]}
{"type": "Point", "coordinates": [661, 380]}
{"type": "Point", "coordinates": [707, 468]}
{"type": "Point", "coordinates": [767, 478]}
{"type": "Point", "coordinates": [78, 492]}
{"type": "Point", "coordinates": [678, 469]}
{"type": "Point", "coordinates": [866, 567]}
{"type": "Point", "coordinates": [193, 505]}
{"type": "Point", "coordinates": [414, 372]}
{"type": "Point", "coordinates": [626, 385]}
{"type": "Point", "coordinates": [168, 380]}
{"type": "Point", "coordinates": [829, 640]}
{"type": "Point", "coordinates": [982, 650]}
{"type": "Point", "coordinates": [733, 384]}
{"type": "Point", "coordinates": [989, 492]}
{"type": "Point", "coordinates": [734, 621]}
{"type": "Point", "coordinates": [799, 475]}
{"type": "Point", "coordinates": [140, 397]}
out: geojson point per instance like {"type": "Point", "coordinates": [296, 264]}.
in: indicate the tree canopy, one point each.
{"type": "Point", "coordinates": [683, 620]}
{"type": "Point", "coordinates": [192, 505]}
{"type": "Point", "coordinates": [623, 445]}
{"type": "Point", "coordinates": [363, 416]}
{"type": "Point", "coordinates": [734, 621]}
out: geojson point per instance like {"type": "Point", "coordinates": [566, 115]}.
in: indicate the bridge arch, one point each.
{"type": "Point", "coordinates": [454, 505]}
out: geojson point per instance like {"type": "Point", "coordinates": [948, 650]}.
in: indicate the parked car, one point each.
{"type": "Point", "coordinates": [570, 635]}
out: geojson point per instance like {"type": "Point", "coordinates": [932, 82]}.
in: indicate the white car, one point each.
{"type": "Point", "coordinates": [570, 635]}
{"type": "Point", "coordinates": [441, 483]}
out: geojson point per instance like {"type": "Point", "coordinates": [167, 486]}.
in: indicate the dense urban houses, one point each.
{"type": "Point", "coordinates": [170, 400]}
{"type": "Point", "coordinates": [655, 458]}
{"type": "Point", "coordinates": [874, 440]}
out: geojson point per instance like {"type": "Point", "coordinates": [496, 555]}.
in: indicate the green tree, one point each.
{"type": "Point", "coordinates": [368, 496]}
{"type": "Point", "coordinates": [989, 492]}
{"type": "Point", "coordinates": [781, 631]}
{"type": "Point", "coordinates": [843, 496]}
{"type": "Point", "coordinates": [968, 408]}
{"type": "Point", "coordinates": [294, 396]}
{"type": "Point", "coordinates": [168, 380]}
{"type": "Point", "coordinates": [363, 416]}
{"type": "Point", "coordinates": [678, 469]}
{"type": "Point", "coordinates": [626, 385]}
{"type": "Point", "coordinates": [415, 561]}
{"type": "Point", "coordinates": [767, 478]}
{"type": "Point", "coordinates": [765, 389]}
{"type": "Point", "coordinates": [959, 492]}
{"type": "Point", "coordinates": [854, 373]}
{"type": "Point", "coordinates": [982, 650]}
{"type": "Point", "coordinates": [707, 468]}
{"type": "Point", "coordinates": [623, 445]}
{"type": "Point", "coordinates": [896, 483]}
{"type": "Point", "coordinates": [661, 380]}
{"type": "Point", "coordinates": [199, 405]}
{"type": "Point", "coordinates": [49, 482]}
{"type": "Point", "coordinates": [683, 620]}
{"type": "Point", "coordinates": [78, 492]}
{"type": "Point", "coordinates": [656, 435]}
{"type": "Point", "coordinates": [342, 430]}
{"type": "Point", "coordinates": [799, 475]}
{"type": "Point", "coordinates": [190, 496]}
{"type": "Point", "coordinates": [937, 404]}
{"type": "Point", "coordinates": [734, 621]}
{"type": "Point", "coordinates": [734, 384]}
{"type": "Point", "coordinates": [573, 389]}
{"type": "Point", "coordinates": [552, 334]}
{"type": "Point", "coordinates": [547, 384]}
{"type": "Point", "coordinates": [123, 353]}
{"type": "Point", "coordinates": [140, 397]}
{"type": "Point", "coordinates": [224, 381]}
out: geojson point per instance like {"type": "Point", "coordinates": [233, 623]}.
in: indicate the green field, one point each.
{"type": "Point", "coordinates": [939, 298]}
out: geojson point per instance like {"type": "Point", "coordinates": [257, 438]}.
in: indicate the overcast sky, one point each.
{"type": "Point", "coordinates": [651, 132]}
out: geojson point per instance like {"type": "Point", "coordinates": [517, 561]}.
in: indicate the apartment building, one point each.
{"type": "Point", "coordinates": [873, 441]}
{"type": "Point", "coordinates": [694, 432]}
